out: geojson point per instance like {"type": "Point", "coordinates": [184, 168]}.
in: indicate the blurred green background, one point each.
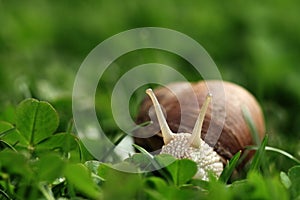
{"type": "Point", "coordinates": [255, 44]}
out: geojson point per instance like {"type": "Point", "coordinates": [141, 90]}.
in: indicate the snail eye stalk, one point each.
{"type": "Point", "coordinates": [165, 130]}
{"type": "Point", "coordinates": [195, 139]}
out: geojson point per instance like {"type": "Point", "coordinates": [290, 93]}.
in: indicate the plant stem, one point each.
{"type": "Point", "coordinates": [46, 192]}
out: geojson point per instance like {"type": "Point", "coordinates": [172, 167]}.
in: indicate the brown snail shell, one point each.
{"type": "Point", "coordinates": [235, 134]}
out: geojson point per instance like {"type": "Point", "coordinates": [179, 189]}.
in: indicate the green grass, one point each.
{"type": "Point", "coordinates": [42, 45]}
{"type": "Point", "coordinates": [36, 162]}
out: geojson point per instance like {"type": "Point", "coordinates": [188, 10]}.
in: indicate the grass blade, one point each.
{"type": "Point", "coordinates": [276, 150]}
{"type": "Point", "coordinates": [229, 168]}
{"type": "Point", "coordinates": [286, 154]}
{"type": "Point", "coordinates": [4, 195]}
{"type": "Point", "coordinates": [251, 125]}
{"type": "Point", "coordinates": [153, 161]}
{"type": "Point", "coordinates": [148, 155]}
{"type": "Point", "coordinates": [259, 155]}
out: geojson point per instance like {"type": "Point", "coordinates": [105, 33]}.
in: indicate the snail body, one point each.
{"type": "Point", "coordinates": [224, 117]}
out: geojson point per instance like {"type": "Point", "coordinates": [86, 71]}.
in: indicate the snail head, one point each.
{"type": "Point", "coordinates": [193, 139]}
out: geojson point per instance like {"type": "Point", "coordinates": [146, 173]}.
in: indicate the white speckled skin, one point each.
{"type": "Point", "coordinates": [205, 157]}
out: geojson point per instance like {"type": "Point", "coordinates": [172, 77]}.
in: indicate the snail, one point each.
{"type": "Point", "coordinates": [185, 122]}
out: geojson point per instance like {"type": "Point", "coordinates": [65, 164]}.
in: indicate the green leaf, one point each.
{"type": "Point", "coordinates": [15, 163]}
{"type": "Point", "coordinates": [49, 167]}
{"type": "Point", "coordinates": [229, 168]}
{"type": "Point", "coordinates": [8, 113]}
{"type": "Point", "coordinates": [119, 184]}
{"type": "Point", "coordinates": [63, 141]}
{"type": "Point", "coordinates": [79, 176]}
{"type": "Point", "coordinates": [11, 136]}
{"type": "Point", "coordinates": [156, 183]}
{"type": "Point", "coordinates": [93, 166]}
{"type": "Point", "coordinates": [158, 162]}
{"type": "Point", "coordinates": [259, 155]}
{"type": "Point", "coordinates": [155, 187]}
{"type": "Point", "coordinates": [165, 159]}
{"type": "Point", "coordinates": [294, 175]}
{"type": "Point", "coordinates": [256, 186]}
{"type": "Point", "coordinates": [4, 144]}
{"type": "Point", "coordinates": [182, 171]}
{"type": "Point", "coordinates": [122, 167]}
{"type": "Point", "coordinates": [218, 190]}
{"type": "Point", "coordinates": [36, 120]}
{"type": "Point", "coordinates": [200, 183]}
{"type": "Point", "coordinates": [148, 156]}
{"type": "Point", "coordinates": [16, 139]}
{"type": "Point", "coordinates": [265, 187]}
{"type": "Point", "coordinates": [5, 128]}
{"type": "Point", "coordinates": [140, 160]}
